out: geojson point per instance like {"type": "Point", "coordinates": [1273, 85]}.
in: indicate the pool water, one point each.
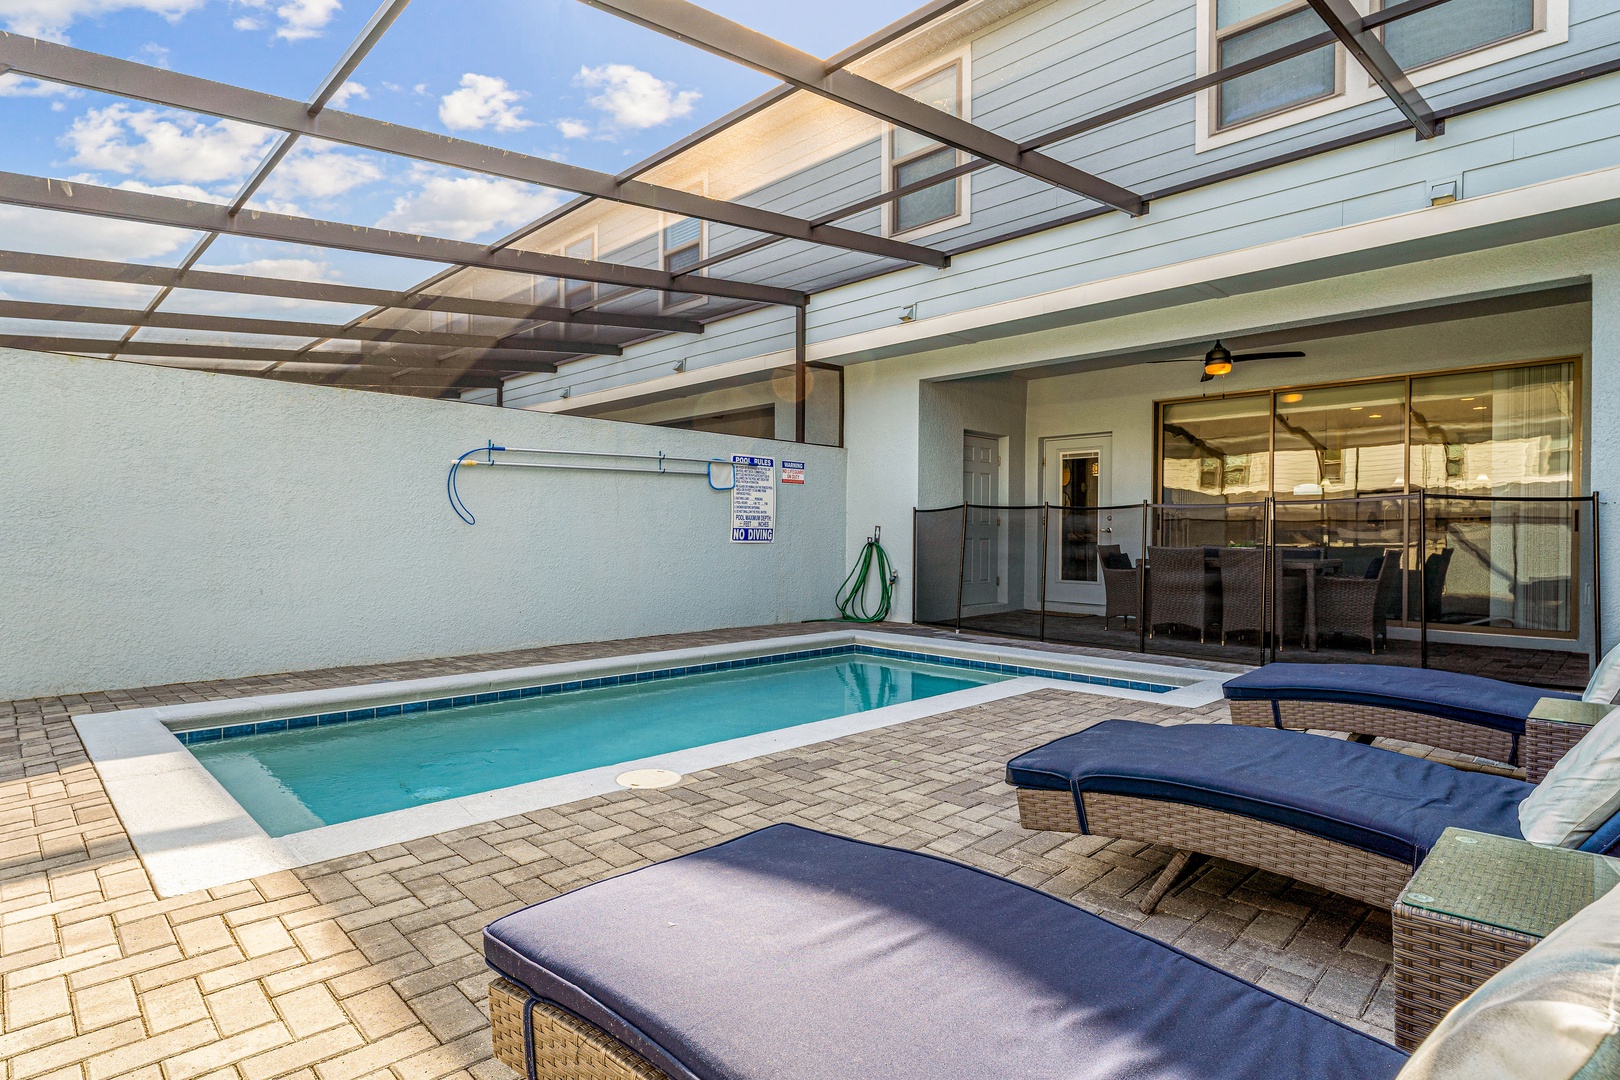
{"type": "Point", "coordinates": [301, 779]}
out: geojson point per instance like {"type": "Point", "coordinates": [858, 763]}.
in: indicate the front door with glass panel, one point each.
{"type": "Point", "coordinates": [1076, 480]}
{"type": "Point", "coordinates": [981, 565]}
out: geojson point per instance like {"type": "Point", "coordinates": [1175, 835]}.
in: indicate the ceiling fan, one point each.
{"type": "Point", "coordinates": [1219, 360]}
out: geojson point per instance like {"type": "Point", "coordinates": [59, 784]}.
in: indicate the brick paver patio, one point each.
{"type": "Point", "coordinates": [370, 965]}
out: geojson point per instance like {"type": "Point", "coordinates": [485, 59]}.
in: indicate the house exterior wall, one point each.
{"type": "Point", "coordinates": [1052, 62]}
{"type": "Point", "coordinates": [165, 526]}
{"type": "Point", "coordinates": [884, 442]}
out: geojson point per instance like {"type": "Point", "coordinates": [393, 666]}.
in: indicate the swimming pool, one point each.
{"type": "Point", "coordinates": [307, 772]}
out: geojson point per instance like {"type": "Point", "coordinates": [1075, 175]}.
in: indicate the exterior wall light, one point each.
{"type": "Point", "coordinates": [908, 313]}
{"type": "Point", "coordinates": [1442, 193]}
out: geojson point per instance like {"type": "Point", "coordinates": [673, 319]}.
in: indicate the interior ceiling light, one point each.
{"type": "Point", "coordinates": [1289, 398]}
{"type": "Point", "coordinates": [1479, 408]}
{"type": "Point", "coordinates": [1375, 416]}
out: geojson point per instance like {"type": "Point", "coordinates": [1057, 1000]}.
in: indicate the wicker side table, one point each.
{"type": "Point", "coordinates": [1553, 728]}
{"type": "Point", "coordinates": [1476, 904]}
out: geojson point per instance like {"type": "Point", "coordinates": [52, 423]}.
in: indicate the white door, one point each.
{"type": "Point", "coordinates": [981, 577]}
{"type": "Point", "coordinates": [1076, 480]}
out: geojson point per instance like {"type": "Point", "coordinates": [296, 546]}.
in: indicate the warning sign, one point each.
{"type": "Point", "coordinates": [753, 499]}
{"type": "Point", "coordinates": [792, 472]}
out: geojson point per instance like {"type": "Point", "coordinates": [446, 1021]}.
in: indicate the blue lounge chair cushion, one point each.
{"type": "Point", "coordinates": [1370, 798]}
{"type": "Point", "coordinates": [1471, 699]}
{"type": "Point", "coordinates": [789, 954]}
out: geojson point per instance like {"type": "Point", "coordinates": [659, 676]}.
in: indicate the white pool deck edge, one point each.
{"type": "Point", "coordinates": [192, 834]}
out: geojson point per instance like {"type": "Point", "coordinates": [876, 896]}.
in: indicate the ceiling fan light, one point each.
{"type": "Point", "coordinates": [1217, 366]}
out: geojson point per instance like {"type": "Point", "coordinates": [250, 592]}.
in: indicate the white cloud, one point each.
{"type": "Point", "coordinates": [320, 173]}
{"type": "Point", "coordinates": [88, 237]}
{"type": "Point", "coordinates": [190, 192]}
{"type": "Point", "coordinates": [466, 207]}
{"type": "Point", "coordinates": [164, 146]}
{"type": "Point", "coordinates": [347, 93]}
{"type": "Point", "coordinates": [483, 101]}
{"type": "Point", "coordinates": [573, 129]}
{"type": "Point", "coordinates": [154, 54]}
{"type": "Point", "coordinates": [52, 18]}
{"type": "Point", "coordinates": [74, 291]}
{"type": "Point", "coordinates": [299, 19]}
{"type": "Point", "coordinates": [633, 98]}
{"type": "Point", "coordinates": [13, 85]}
{"type": "Point", "coordinates": [294, 269]}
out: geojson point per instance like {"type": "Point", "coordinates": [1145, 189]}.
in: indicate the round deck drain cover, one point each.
{"type": "Point", "coordinates": [649, 778]}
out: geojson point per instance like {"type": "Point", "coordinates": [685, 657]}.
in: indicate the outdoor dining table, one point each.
{"type": "Point", "coordinates": [1311, 569]}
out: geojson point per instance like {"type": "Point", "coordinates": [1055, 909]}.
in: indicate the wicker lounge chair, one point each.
{"type": "Point", "coordinates": [1465, 713]}
{"type": "Point", "coordinates": [789, 954]}
{"type": "Point", "coordinates": [1181, 590]}
{"type": "Point", "coordinates": [1360, 606]}
{"type": "Point", "coordinates": [1351, 818]}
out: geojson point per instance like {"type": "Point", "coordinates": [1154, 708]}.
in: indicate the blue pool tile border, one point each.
{"type": "Point", "coordinates": [265, 727]}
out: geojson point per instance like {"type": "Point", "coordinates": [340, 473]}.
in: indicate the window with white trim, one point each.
{"type": "Point", "coordinates": [914, 157]}
{"type": "Point", "coordinates": [1457, 27]}
{"type": "Point", "coordinates": [682, 243]}
{"type": "Point", "coordinates": [1245, 29]}
{"type": "Point", "coordinates": [1436, 43]}
{"type": "Point", "coordinates": [578, 294]}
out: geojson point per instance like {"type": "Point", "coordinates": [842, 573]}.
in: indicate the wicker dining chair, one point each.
{"type": "Point", "coordinates": [1359, 606]}
{"type": "Point", "coordinates": [1243, 574]}
{"type": "Point", "coordinates": [1181, 590]}
{"type": "Point", "coordinates": [1122, 593]}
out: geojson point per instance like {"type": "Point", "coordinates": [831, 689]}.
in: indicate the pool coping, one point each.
{"type": "Point", "coordinates": [191, 833]}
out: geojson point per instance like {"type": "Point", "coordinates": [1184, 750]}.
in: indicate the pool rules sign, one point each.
{"type": "Point", "coordinates": [753, 499]}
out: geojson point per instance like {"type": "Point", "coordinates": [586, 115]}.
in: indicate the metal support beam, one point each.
{"type": "Point", "coordinates": [20, 190]}
{"type": "Point", "coordinates": [801, 374]}
{"type": "Point", "coordinates": [1345, 21]}
{"type": "Point", "coordinates": [393, 358]}
{"type": "Point", "coordinates": [164, 277]}
{"type": "Point", "coordinates": [1096, 120]}
{"type": "Point", "coordinates": [230, 324]}
{"type": "Point", "coordinates": [690, 23]}
{"type": "Point", "coordinates": [124, 78]}
{"type": "Point", "coordinates": [364, 380]}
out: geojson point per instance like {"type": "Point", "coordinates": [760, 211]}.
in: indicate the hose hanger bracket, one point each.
{"type": "Point", "coordinates": [585, 460]}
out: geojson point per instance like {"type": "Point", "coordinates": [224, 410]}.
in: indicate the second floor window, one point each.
{"type": "Point", "coordinates": [1245, 29]}
{"type": "Point", "coordinates": [683, 249]}
{"type": "Point", "coordinates": [1456, 27]}
{"type": "Point", "coordinates": [578, 294]}
{"type": "Point", "coordinates": [914, 157]}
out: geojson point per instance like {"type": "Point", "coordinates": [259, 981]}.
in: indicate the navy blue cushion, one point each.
{"type": "Point", "coordinates": [1469, 698]}
{"type": "Point", "coordinates": [1374, 799]}
{"type": "Point", "coordinates": [789, 954]}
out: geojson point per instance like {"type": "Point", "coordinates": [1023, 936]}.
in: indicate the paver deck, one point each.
{"type": "Point", "coordinates": [369, 966]}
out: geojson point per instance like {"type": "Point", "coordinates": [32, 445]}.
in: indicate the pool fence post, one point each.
{"type": "Point", "coordinates": [1423, 577]}
{"type": "Point", "coordinates": [1141, 586]}
{"type": "Point", "coordinates": [1043, 568]}
{"type": "Point", "coordinates": [961, 568]}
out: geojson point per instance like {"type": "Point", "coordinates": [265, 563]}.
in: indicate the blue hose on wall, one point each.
{"type": "Point", "coordinates": [450, 481]}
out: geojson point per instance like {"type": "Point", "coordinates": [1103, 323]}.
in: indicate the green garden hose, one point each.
{"type": "Point", "coordinates": [852, 601]}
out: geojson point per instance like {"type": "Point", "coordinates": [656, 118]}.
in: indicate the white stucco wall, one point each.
{"type": "Point", "coordinates": [1604, 393]}
{"type": "Point", "coordinates": [160, 526]}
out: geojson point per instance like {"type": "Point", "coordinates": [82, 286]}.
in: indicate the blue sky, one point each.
{"type": "Point", "coordinates": [545, 77]}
